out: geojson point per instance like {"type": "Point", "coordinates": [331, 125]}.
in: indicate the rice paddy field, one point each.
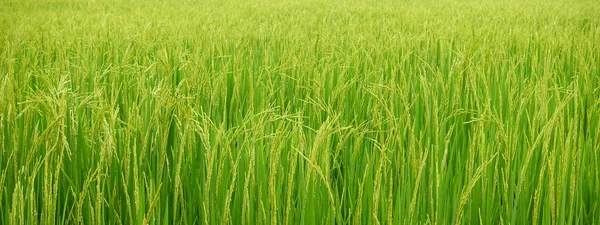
{"type": "Point", "coordinates": [299, 112]}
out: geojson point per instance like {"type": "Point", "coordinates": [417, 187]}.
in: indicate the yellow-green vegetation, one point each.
{"type": "Point", "coordinates": [299, 112]}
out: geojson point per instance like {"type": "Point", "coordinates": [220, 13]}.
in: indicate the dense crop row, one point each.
{"type": "Point", "coordinates": [299, 112]}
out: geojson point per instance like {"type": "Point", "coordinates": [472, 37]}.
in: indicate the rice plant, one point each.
{"type": "Point", "coordinates": [299, 112]}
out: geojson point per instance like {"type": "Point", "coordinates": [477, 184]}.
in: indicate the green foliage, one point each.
{"type": "Point", "coordinates": [299, 112]}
